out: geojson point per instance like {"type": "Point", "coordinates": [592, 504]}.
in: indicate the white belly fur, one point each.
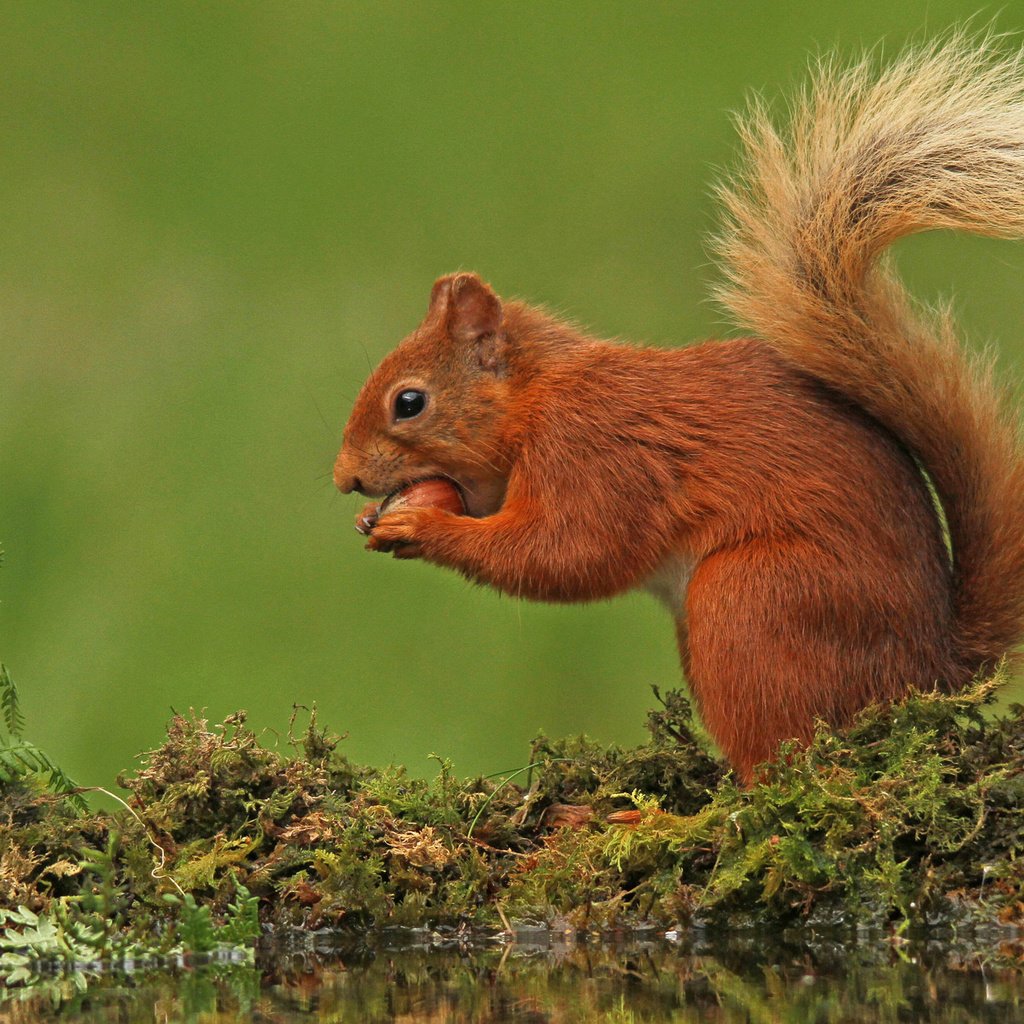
{"type": "Point", "coordinates": [668, 583]}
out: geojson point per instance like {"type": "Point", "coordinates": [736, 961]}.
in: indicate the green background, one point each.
{"type": "Point", "coordinates": [217, 216]}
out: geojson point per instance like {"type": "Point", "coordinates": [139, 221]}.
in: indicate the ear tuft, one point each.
{"type": "Point", "coordinates": [470, 309]}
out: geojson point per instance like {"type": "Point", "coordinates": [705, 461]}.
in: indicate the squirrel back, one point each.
{"type": "Point", "coordinates": [785, 495]}
{"type": "Point", "coordinates": [934, 141]}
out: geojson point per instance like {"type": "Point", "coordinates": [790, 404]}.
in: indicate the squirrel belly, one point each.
{"type": "Point", "coordinates": [832, 509]}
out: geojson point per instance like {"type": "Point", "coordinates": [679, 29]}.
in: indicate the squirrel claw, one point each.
{"type": "Point", "coordinates": [367, 519]}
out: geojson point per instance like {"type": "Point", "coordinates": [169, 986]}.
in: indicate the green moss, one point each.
{"type": "Point", "coordinates": [913, 816]}
{"type": "Point", "coordinates": [910, 818]}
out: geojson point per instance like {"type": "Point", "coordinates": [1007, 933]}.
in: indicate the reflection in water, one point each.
{"type": "Point", "coordinates": [550, 984]}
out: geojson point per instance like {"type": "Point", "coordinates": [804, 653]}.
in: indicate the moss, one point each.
{"type": "Point", "coordinates": [911, 818]}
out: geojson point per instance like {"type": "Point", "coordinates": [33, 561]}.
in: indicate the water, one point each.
{"type": "Point", "coordinates": [752, 979]}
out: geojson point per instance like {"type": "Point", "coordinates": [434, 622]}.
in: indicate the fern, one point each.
{"type": "Point", "coordinates": [242, 927]}
{"type": "Point", "coordinates": [13, 718]}
{"type": "Point", "coordinates": [196, 932]}
{"type": "Point", "coordinates": [20, 759]}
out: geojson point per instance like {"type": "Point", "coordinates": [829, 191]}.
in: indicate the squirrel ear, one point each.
{"type": "Point", "coordinates": [471, 309]}
{"type": "Point", "coordinates": [471, 313]}
{"type": "Point", "coordinates": [439, 294]}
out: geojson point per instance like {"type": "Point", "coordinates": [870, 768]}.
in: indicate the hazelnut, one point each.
{"type": "Point", "coordinates": [436, 493]}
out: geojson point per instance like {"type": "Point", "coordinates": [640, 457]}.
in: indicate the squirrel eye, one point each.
{"type": "Point", "coordinates": [409, 404]}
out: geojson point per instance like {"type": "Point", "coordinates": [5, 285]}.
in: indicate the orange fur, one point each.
{"type": "Point", "coordinates": [768, 489]}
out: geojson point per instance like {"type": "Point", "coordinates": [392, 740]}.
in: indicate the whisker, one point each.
{"type": "Point", "coordinates": [366, 355]}
{"type": "Point", "coordinates": [360, 451]}
{"type": "Point", "coordinates": [333, 431]}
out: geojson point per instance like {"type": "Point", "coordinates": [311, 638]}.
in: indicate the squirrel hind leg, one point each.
{"type": "Point", "coordinates": [773, 640]}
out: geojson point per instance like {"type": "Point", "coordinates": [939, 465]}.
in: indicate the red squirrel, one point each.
{"type": "Point", "coordinates": [833, 508]}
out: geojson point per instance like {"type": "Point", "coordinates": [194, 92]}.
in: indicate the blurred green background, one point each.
{"type": "Point", "coordinates": [216, 216]}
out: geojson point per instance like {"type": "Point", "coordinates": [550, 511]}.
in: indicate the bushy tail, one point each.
{"type": "Point", "coordinates": [933, 141]}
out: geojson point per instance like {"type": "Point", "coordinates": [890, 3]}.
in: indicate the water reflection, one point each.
{"type": "Point", "coordinates": [740, 981]}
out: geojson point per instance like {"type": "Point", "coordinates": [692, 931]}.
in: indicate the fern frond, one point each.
{"type": "Point", "coordinates": [13, 718]}
{"type": "Point", "coordinates": [20, 760]}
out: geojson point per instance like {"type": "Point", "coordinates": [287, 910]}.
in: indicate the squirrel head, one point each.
{"type": "Point", "coordinates": [435, 406]}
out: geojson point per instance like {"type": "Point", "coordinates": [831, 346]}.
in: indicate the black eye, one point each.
{"type": "Point", "coordinates": [409, 404]}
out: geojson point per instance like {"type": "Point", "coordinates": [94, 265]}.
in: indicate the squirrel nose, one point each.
{"type": "Point", "coordinates": [345, 481]}
{"type": "Point", "coordinates": [347, 484]}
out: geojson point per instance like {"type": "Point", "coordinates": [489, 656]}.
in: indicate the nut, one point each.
{"type": "Point", "coordinates": [436, 493]}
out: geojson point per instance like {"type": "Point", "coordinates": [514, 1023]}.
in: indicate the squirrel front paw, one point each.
{"type": "Point", "coordinates": [403, 532]}
{"type": "Point", "coordinates": [366, 520]}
